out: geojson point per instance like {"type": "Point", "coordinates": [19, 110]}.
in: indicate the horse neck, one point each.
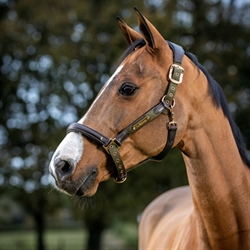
{"type": "Point", "coordinates": [218, 178]}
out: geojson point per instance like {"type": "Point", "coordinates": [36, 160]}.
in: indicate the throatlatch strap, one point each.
{"type": "Point", "coordinates": [168, 146]}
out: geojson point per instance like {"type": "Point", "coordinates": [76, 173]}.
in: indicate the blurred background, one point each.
{"type": "Point", "coordinates": [54, 58]}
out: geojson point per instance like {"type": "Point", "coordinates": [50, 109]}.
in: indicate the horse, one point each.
{"type": "Point", "coordinates": [158, 98]}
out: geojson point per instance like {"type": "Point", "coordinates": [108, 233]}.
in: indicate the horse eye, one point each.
{"type": "Point", "coordinates": [128, 89]}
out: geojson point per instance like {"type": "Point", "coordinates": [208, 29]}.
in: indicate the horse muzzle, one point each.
{"type": "Point", "coordinates": [63, 174]}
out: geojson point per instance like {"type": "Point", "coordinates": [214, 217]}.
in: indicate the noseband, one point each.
{"type": "Point", "coordinates": [165, 106]}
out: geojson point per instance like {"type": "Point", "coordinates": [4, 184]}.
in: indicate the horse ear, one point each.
{"type": "Point", "coordinates": [151, 35]}
{"type": "Point", "coordinates": [129, 34]}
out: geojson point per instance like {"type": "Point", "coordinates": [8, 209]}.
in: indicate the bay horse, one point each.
{"type": "Point", "coordinates": [134, 119]}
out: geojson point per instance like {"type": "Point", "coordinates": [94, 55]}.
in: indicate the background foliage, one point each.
{"type": "Point", "coordinates": [54, 58]}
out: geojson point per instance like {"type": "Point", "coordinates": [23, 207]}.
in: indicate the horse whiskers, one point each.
{"type": "Point", "coordinates": [93, 202]}
{"type": "Point", "coordinates": [51, 189]}
{"type": "Point", "coordinates": [83, 202]}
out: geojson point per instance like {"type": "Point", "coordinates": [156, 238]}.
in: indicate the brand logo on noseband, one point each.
{"type": "Point", "coordinates": [141, 123]}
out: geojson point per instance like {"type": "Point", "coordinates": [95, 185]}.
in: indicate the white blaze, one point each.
{"type": "Point", "coordinates": [72, 145]}
{"type": "Point", "coordinates": [102, 90]}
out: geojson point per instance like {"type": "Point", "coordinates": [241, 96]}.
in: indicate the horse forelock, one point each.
{"type": "Point", "coordinates": [139, 43]}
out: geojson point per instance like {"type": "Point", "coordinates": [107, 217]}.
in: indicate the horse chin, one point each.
{"type": "Point", "coordinates": [88, 183]}
{"type": "Point", "coordinates": [86, 191]}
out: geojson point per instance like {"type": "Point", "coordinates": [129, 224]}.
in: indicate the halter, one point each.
{"type": "Point", "coordinates": [165, 106]}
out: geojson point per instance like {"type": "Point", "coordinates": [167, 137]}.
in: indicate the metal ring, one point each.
{"type": "Point", "coordinates": [173, 104]}
{"type": "Point", "coordinates": [164, 103]}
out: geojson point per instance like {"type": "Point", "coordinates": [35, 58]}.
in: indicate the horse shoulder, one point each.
{"type": "Point", "coordinates": [168, 222]}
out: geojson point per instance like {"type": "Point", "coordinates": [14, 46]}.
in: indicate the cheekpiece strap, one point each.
{"type": "Point", "coordinates": [175, 77]}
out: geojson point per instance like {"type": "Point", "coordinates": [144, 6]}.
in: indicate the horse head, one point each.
{"type": "Point", "coordinates": [132, 110]}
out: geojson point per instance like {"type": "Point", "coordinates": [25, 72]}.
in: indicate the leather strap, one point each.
{"type": "Point", "coordinates": [141, 121]}
{"type": "Point", "coordinates": [170, 141]}
{"type": "Point", "coordinates": [178, 52]}
{"type": "Point", "coordinates": [111, 146]}
{"type": "Point", "coordinates": [175, 78]}
{"type": "Point", "coordinates": [175, 72]}
{"type": "Point", "coordinates": [89, 132]}
{"type": "Point", "coordinates": [121, 172]}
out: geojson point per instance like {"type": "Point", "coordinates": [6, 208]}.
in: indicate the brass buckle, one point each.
{"type": "Point", "coordinates": [172, 124]}
{"type": "Point", "coordinates": [180, 76]}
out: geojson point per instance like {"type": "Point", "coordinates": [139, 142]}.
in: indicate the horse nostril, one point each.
{"type": "Point", "coordinates": [63, 168]}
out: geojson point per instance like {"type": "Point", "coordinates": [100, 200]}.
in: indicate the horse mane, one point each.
{"type": "Point", "coordinates": [220, 101]}
{"type": "Point", "coordinates": [217, 94]}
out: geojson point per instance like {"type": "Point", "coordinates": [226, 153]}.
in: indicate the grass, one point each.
{"type": "Point", "coordinates": [54, 240]}
{"type": "Point", "coordinates": [74, 239]}
{"type": "Point", "coordinates": [65, 239]}
{"type": "Point", "coordinates": [17, 240]}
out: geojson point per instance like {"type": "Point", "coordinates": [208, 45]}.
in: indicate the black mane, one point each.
{"type": "Point", "coordinates": [215, 91]}
{"type": "Point", "coordinates": [220, 101]}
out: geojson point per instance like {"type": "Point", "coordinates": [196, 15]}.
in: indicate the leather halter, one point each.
{"type": "Point", "coordinates": [165, 106]}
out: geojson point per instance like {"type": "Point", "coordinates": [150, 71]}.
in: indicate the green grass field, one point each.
{"type": "Point", "coordinates": [26, 240]}
{"type": "Point", "coordinates": [56, 240]}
